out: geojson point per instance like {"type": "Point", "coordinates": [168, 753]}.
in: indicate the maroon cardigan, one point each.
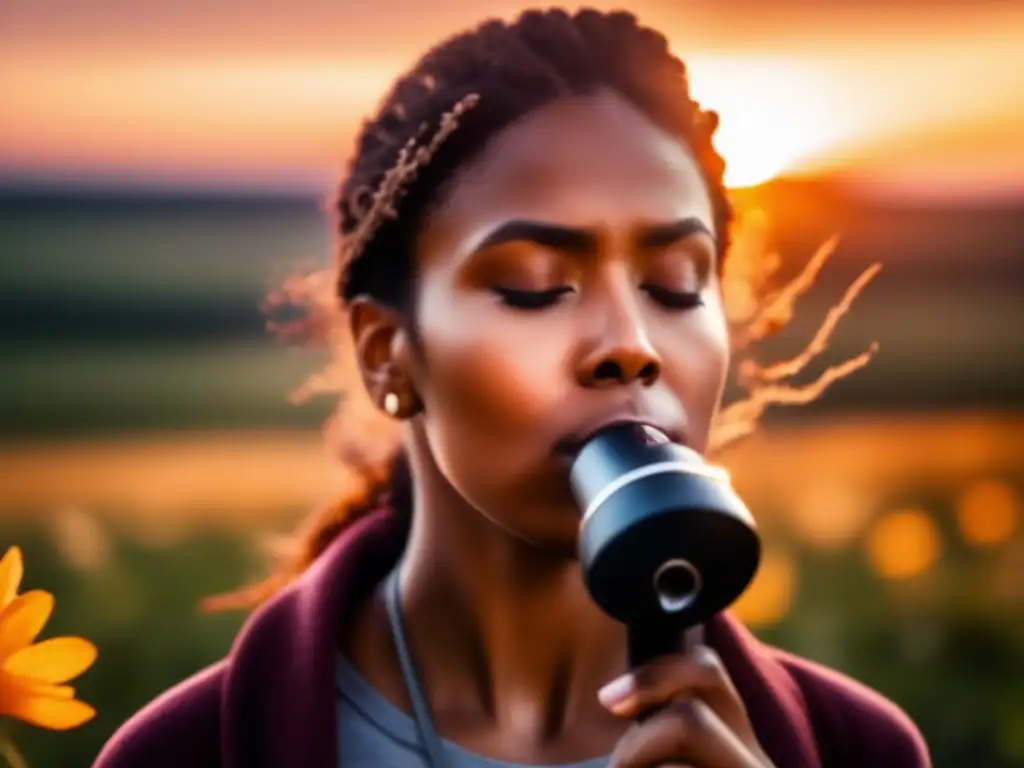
{"type": "Point", "coordinates": [271, 702]}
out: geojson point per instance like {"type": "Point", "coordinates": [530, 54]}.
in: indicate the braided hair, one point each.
{"type": "Point", "coordinates": [471, 86]}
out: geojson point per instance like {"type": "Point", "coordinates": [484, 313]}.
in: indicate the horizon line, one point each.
{"type": "Point", "coordinates": [46, 186]}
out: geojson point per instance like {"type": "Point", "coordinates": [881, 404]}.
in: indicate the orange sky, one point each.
{"type": "Point", "coordinates": [913, 96]}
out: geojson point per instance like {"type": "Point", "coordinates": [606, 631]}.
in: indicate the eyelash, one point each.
{"type": "Point", "coordinates": [537, 300]}
{"type": "Point", "coordinates": [531, 300]}
{"type": "Point", "coordinates": [678, 300]}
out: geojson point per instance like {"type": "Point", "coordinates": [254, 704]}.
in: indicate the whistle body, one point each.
{"type": "Point", "coordinates": [665, 543]}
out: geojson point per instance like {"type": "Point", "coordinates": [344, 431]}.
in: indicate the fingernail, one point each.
{"type": "Point", "coordinates": [617, 691]}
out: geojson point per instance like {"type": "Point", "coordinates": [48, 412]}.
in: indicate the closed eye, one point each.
{"type": "Point", "coordinates": [531, 300]}
{"type": "Point", "coordinates": [670, 299]}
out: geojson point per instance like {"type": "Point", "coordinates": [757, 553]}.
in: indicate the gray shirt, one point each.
{"type": "Point", "coordinates": [374, 733]}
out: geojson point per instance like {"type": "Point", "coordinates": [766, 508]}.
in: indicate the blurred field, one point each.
{"type": "Point", "coordinates": [147, 446]}
{"type": "Point", "coordinates": [901, 568]}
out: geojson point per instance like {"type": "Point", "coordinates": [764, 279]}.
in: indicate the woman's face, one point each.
{"type": "Point", "coordinates": [567, 280]}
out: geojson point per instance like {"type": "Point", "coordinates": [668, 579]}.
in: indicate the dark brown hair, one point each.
{"type": "Point", "coordinates": [436, 118]}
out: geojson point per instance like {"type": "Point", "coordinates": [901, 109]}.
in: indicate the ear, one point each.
{"type": "Point", "coordinates": [381, 347]}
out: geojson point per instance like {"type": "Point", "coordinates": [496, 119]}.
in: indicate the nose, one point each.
{"type": "Point", "coordinates": [621, 353]}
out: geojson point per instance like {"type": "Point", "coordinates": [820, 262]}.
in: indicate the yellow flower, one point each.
{"type": "Point", "coordinates": [32, 677]}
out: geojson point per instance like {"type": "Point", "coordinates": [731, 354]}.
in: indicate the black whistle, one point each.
{"type": "Point", "coordinates": [665, 543]}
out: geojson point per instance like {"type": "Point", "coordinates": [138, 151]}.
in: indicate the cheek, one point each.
{"type": "Point", "coordinates": [491, 378]}
{"type": "Point", "coordinates": [695, 364]}
{"type": "Point", "coordinates": [713, 335]}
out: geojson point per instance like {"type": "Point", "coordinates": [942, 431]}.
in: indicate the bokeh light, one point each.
{"type": "Point", "coordinates": [80, 538]}
{"type": "Point", "coordinates": [770, 595]}
{"type": "Point", "coordinates": [988, 513]}
{"type": "Point", "coordinates": [903, 544]}
{"type": "Point", "coordinates": [829, 515]}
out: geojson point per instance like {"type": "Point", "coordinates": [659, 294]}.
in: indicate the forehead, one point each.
{"type": "Point", "coordinates": [592, 161]}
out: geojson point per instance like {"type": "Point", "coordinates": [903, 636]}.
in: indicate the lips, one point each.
{"type": "Point", "coordinates": [646, 430]}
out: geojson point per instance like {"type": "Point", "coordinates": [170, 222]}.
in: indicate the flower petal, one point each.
{"type": "Point", "coordinates": [11, 685]}
{"type": "Point", "coordinates": [52, 661]}
{"type": "Point", "coordinates": [11, 571]}
{"type": "Point", "coordinates": [58, 714]}
{"type": "Point", "coordinates": [23, 619]}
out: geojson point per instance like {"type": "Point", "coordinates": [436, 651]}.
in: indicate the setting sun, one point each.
{"type": "Point", "coordinates": [775, 115]}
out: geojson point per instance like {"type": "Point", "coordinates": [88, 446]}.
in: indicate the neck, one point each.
{"type": "Point", "coordinates": [498, 626]}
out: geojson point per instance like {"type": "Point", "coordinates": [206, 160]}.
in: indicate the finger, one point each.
{"type": "Point", "coordinates": [697, 673]}
{"type": "Point", "coordinates": [687, 732]}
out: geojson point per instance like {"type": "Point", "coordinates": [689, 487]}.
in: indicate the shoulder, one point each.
{"type": "Point", "coordinates": [853, 720]}
{"type": "Point", "coordinates": [180, 727]}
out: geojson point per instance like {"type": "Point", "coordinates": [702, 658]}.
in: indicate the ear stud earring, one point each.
{"type": "Point", "coordinates": [391, 404]}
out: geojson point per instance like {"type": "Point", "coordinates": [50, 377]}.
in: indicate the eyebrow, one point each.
{"type": "Point", "coordinates": [579, 240]}
{"type": "Point", "coordinates": [554, 236]}
{"type": "Point", "coordinates": [662, 235]}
